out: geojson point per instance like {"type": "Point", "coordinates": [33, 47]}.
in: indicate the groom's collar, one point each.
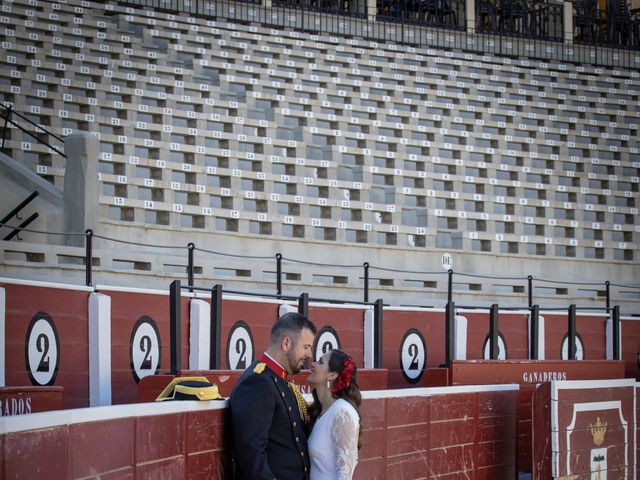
{"type": "Point", "coordinates": [274, 366]}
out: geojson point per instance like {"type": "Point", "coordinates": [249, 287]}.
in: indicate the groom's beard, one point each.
{"type": "Point", "coordinates": [295, 364]}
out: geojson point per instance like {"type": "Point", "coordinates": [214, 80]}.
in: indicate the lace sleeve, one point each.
{"type": "Point", "coordinates": [344, 433]}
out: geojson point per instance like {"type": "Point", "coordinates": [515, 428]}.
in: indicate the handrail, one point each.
{"type": "Point", "coordinates": [9, 112]}
{"type": "Point", "coordinates": [20, 206]}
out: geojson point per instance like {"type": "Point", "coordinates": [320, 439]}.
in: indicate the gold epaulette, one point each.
{"type": "Point", "coordinates": [259, 368]}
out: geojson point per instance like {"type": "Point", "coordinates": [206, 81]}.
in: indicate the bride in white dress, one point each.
{"type": "Point", "coordinates": [335, 439]}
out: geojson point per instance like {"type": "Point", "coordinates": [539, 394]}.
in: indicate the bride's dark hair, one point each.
{"type": "Point", "coordinates": [350, 392]}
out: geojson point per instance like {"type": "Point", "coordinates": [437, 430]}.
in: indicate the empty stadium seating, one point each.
{"type": "Point", "coordinates": [369, 151]}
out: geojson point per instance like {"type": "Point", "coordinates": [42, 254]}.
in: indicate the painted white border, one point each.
{"type": "Point", "coordinates": [149, 291]}
{"type": "Point", "coordinates": [35, 421]}
{"type": "Point", "coordinates": [487, 310]}
{"type": "Point", "coordinates": [35, 283]}
{"type": "Point", "coordinates": [579, 314]}
{"type": "Point", "coordinates": [596, 406]}
{"type": "Point", "coordinates": [577, 384]}
{"type": "Point", "coordinates": [428, 392]}
{"type": "Point", "coordinates": [235, 296]}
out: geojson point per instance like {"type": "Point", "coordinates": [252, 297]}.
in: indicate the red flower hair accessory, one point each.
{"type": "Point", "coordinates": [344, 379]}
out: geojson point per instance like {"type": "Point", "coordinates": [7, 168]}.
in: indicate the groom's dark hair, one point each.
{"type": "Point", "coordinates": [290, 324]}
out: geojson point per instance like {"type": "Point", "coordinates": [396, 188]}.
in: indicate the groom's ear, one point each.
{"type": "Point", "coordinates": [286, 343]}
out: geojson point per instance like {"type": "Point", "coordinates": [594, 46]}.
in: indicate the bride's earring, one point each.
{"type": "Point", "coordinates": [328, 385]}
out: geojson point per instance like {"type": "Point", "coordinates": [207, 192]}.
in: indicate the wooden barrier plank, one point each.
{"type": "Point", "coordinates": [188, 439]}
{"type": "Point", "coordinates": [585, 428]}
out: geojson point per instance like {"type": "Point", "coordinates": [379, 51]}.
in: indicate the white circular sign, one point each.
{"type": "Point", "coordinates": [579, 348]}
{"type": "Point", "coordinates": [502, 349]}
{"type": "Point", "coordinates": [413, 355]}
{"type": "Point", "coordinates": [327, 339]}
{"type": "Point", "coordinates": [145, 348]}
{"type": "Point", "coordinates": [42, 350]}
{"type": "Point", "coordinates": [447, 261]}
{"type": "Point", "coordinates": [239, 347]}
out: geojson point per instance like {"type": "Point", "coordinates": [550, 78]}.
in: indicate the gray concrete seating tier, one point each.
{"type": "Point", "coordinates": [207, 126]}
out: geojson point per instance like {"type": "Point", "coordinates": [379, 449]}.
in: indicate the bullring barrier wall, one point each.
{"type": "Point", "coordinates": [443, 433]}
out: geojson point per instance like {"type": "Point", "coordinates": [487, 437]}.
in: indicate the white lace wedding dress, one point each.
{"type": "Point", "coordinates": [333, 444]}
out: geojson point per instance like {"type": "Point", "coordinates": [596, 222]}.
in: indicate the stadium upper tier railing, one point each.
{"type": "Point", "coordinates": [543, 29]}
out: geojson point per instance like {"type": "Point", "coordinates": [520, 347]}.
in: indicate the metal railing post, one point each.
{"type": "Point", "coordinates": [88, 261]}
{"type": "Point", "coordinates": [366, 281]}
{"type": "Point", "coordinates": [175, 321]}
{"type": "Point", "coordinates": [615, 318]}
{"type": "Point", "coordinates": [571, 333]}
{"type": "Point", "coordinates": [530, 287]}
{"type": "Point", "coordinates": [607, 286]}
{"type": "Point", "coordinates": [216, 328]}
{"type": "Point", "coordinates": [494, 348]}
{"type": "Point", "coordinates": [449, 331]}
{"type": "Point", "coordinates": [378, 314]}
{"type": "Point", "coordinates": [450, 287]}
{"type": "Point", "coordinates": [303, 304]}
{"type": "Point", "coordinates": [279, 273]}
{"type": "Point", "coordinates": [535, 329]}
{"type": "Point", "coordinates": [190, 248]}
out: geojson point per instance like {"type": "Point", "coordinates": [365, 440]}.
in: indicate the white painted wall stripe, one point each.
{"type": "Point", "coordinates": [99, 350]}
{"type": "Point", "coordinates": [460, 338]}
{"type": "Point", "coordinates": [369, 346]}
{"type": "Point", "coordinates": [199, 334]}
{"type": "Point", "coordinates": [58, 418]}
{"type": "Point", "coordinates": [33, 283]}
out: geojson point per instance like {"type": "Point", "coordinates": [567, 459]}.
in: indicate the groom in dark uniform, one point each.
{"type": "Point", "coordinates": [268, 413]}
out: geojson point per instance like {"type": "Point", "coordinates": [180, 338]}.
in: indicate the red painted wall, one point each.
{"type": "Point", "coordinates": [69, 312]}
{"type": "Point", "coordinates": [396, 323]}
{"type": "Point", "coordinates": [576, 413]}
{"type": "Point", "coordinates": [444, 436]}
{"type": "Point", "coordinates": [126, 309]}
{"type": "Point", "coordinates": [591, 330]}
{"type": "Point", "coordinates": [260, 317]}
{"type": "Point", "coordinates": [349, 327]}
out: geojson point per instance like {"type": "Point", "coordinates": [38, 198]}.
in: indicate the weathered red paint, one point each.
{"type": "Point", "coordinates": [69, 312]}
{"type": "Point", "coordinates": [395, 324]}
{"type": "Point", "coordinates": [25, 400]}
{"type": "Point", "coordinates": [447, 435]}
{"type": "Point", "coordinates": [126, 309]}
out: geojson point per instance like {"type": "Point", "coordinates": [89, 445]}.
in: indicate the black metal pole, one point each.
{"type": "Point", "coordinates": [535, 332]}
{"type": "Point", "coordinates": [530, 286]}
{"type": "Point", "coordinates": [175, 320]}
{"type": "Point", "coordinates": [378, 314]}
{"type": "Point", "coordinates": [216, 328]}
{"type": "Point", "coordinates": [494, 348]}
{"type": "Point", "coordinates": [6, 122]}
{"type": "Point", "coordinates": [615, 317]}
{"type": "Point", "coordinates": [366, 281]}
{"type": "Point", "coordinates": [607, 285]}
{"type": "Point", "coordinates": [571, 333]}
{"type": "Point", "coordinates": [88, 254]}
{"type": "Point", "coordinates": [22, 204]}
{"type": "Point", "coordinates": [449, 330]}
{"type": "Point", "coordinates": [190, 247]}
{"type": "Point", "coordinates": [279, 273]}
{"type": "Point", "coordinates": [450, 287]}
{"type": "Point", "coordinates": [24, 224]}
{"type": "Point", "coordinates": [303, 304]}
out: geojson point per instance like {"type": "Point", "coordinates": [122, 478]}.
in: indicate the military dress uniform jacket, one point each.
{"type": "Point", "coordinates": [269, 437]}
